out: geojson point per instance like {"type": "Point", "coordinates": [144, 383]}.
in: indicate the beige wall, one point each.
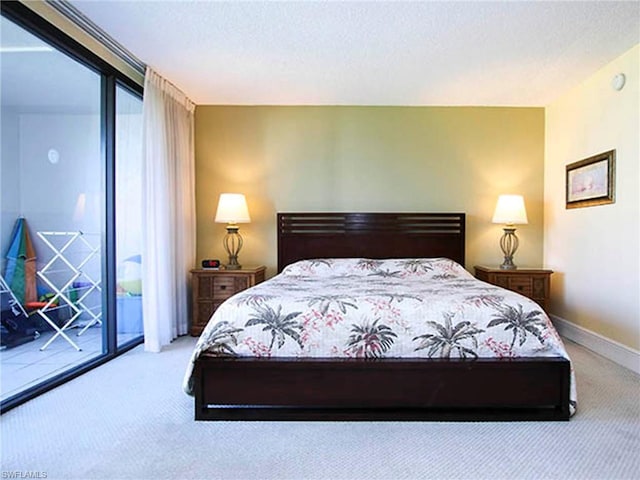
{"type": "Point", "coordinates": [595, 250]}
{"type": "Point", "coordinates": [369, 159]}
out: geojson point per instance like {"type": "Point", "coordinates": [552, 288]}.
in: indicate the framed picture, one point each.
{"type": "Point", "coordinates": [591, 181]}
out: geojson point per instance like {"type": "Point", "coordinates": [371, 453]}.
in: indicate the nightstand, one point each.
{"type": "Point", "coordinates": [212, 287]}
{"type": "Point", "coordinates": [530, 282]}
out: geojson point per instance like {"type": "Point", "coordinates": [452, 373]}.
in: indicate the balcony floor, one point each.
{"type": "Point", "coordinates": [26, 365]}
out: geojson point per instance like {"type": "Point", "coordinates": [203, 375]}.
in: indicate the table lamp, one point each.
{"type": "Point", "coordinates": [232, 209]}
{"type": "Point", "coordinates": [509, 211]}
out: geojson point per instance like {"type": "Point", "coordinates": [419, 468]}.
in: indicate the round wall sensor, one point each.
{"type": "Point", "coordinates": [53, 155]}
{"type": "Point", "coordinates": [618, 81]}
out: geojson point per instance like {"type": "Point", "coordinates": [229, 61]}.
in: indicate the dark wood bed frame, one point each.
{"type": "Point", "coordinates": [378, 389]}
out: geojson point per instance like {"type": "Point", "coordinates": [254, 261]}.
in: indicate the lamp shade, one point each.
{"type": "Point", "coordinates": [510, 210]}
{"type": "Point", "coordinates": [232, 208]}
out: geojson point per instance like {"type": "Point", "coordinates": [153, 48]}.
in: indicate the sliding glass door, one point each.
{"type": "Point", "coordinates": [70, 210]}
{"type": "Point", "coordinates": [128, 186]}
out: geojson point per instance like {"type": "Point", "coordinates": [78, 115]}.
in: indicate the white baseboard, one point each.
{"type": "Point", "coordinates": [614, 351]}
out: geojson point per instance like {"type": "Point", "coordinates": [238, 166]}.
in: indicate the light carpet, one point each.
{"type": "Point", "coordinates": [129, 419]}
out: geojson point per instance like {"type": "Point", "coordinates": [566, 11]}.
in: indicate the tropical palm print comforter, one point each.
{"type": "Point", "coordinates": [378, 308]}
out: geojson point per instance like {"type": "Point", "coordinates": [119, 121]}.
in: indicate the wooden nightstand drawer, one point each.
{"type": "Point", "coordinates": [522, 285]}
{"type": "Point", "coordinates": [224, 287]}
{"type": "Point", "coordinates": [212, 287]}
{"type": "Point", "coordinates": [532, 283]}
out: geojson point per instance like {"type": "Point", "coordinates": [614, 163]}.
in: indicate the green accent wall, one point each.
{"type": "Point", "coordinates": [377, 159]}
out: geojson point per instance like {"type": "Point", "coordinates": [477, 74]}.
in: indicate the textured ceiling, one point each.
{"type": "Point", "coordinates": [371, 53]}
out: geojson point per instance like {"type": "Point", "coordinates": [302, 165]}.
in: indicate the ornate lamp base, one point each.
{"type": "Point", "coordinates": [232, 244]}
{"type": "Point", "coordinates": [509, 244]}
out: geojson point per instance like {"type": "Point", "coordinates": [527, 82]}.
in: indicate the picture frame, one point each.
{"type": "Point", "coordinates": [591, 181]}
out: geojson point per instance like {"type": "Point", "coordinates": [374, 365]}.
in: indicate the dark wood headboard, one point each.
{"type": "Point", "coordinates": [370, 235]}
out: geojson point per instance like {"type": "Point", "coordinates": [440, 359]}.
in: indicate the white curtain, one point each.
{"type": "Point", "coordinates": [168, 223]}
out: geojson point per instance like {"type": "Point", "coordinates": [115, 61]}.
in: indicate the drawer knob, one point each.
{"type": "Point", "coordinates": [223, 287]}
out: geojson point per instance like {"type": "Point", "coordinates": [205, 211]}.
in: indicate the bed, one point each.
{"type": "Point", "coordinates": [386, 366]}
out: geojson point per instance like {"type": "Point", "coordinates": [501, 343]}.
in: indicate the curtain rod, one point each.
{"type": "Point", "coordinates": [70, 12]}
